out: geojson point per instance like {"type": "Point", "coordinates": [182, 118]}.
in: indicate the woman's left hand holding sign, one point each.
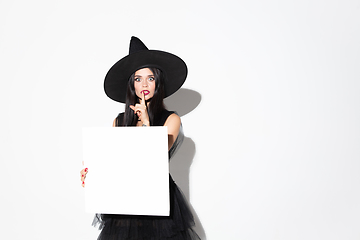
{"type": "Point", "coordinates": [83, 176]}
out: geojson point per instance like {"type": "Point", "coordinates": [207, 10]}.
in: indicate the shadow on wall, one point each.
{"type": "Point", "coordinates": [183, 102]}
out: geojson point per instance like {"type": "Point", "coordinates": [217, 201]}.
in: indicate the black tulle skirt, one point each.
{"type": "Point", "coordinates": [179, 225]}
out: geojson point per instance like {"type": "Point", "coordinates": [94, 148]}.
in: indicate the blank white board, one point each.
{"type": "Point", "coordinates": [128, 170]}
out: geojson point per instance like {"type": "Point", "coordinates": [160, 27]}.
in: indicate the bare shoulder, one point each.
{"type": "Point", "coordinates": [114, 123]}
{"type": "Point", "coordinates": [173, 120]}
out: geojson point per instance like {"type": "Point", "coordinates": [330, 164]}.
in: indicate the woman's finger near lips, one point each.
{"type": "Point", "coordinates": [142, 102]}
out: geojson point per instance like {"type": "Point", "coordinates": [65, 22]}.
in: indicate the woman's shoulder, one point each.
{"type": "Point", "coordinates": [173, 118]}
{"type": "Point", "coordinates": [165, 115]}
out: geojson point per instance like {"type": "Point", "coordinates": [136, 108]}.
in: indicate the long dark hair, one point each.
{"type": "Point", "coordinates": [154, 109]}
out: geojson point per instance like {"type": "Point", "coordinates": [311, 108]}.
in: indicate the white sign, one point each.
{"type": "Point", "coordinates": [128, 170]}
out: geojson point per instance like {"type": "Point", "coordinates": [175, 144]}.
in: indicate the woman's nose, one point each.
{"type": "Point", "coordinates": [145, 83]}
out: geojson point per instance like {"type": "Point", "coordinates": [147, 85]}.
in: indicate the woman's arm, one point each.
{"type": "Point", "coordinates": [173, 123]}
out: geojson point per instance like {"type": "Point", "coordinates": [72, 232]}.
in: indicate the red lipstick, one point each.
{"type": "Point", "coordinates": [146, 92]}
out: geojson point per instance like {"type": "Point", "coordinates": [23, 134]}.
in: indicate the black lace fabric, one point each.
{"type": "Point", "coordinates": [177, 226]}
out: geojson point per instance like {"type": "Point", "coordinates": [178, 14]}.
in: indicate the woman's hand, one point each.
{"type": "Point", "coordinates": [141, 110]}
{"type": "Point", "coordinates": [83, 176]}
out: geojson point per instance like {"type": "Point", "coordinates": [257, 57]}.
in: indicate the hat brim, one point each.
{"type": "Point", "coordinates": [173, 67]}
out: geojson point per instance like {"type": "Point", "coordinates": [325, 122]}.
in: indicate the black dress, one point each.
{"type": "Point", "coordinates": [176, 226]}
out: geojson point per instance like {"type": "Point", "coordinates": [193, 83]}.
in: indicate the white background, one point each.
{"type": "Point", "coordinates": [276, 132]}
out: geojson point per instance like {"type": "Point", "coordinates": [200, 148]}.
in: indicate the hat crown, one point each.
{"type": "Point", "coordinates": [136, 45]}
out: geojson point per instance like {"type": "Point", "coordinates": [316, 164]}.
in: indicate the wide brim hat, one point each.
{"type": "Point", "coordinates": [173, 68]}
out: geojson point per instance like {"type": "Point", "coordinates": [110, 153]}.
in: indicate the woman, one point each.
{"type": "Point", "coordinates": [142, 80]}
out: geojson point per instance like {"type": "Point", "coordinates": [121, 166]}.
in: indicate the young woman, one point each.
{"type": "Point", "coordinates": [142, 80]}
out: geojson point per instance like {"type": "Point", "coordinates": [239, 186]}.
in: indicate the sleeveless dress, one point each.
{"type": "Point", "coordinates": [177, 226]}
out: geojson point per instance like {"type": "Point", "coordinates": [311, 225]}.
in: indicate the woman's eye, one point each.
{"type": "Point", "coordinates": [151, 79]}
{"type": "Point", "coordinates": [137, 79]}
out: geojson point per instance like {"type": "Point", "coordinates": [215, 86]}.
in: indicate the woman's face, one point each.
{"type": "Point", "coordinates": [144, 81]}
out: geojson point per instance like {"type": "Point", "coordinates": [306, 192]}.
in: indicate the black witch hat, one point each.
{"type": "Point", "coordinates": [173, 68]}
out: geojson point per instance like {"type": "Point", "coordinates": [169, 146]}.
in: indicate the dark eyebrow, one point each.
{"type": "Point", "coordinates": [141, 76]}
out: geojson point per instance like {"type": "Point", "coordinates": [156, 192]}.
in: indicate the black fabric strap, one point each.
{"type": "Point", "coordinates": [165, 114]}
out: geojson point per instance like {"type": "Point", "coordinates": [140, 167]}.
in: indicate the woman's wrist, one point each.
{"type": "Point", "coordinates": [146, 124]}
